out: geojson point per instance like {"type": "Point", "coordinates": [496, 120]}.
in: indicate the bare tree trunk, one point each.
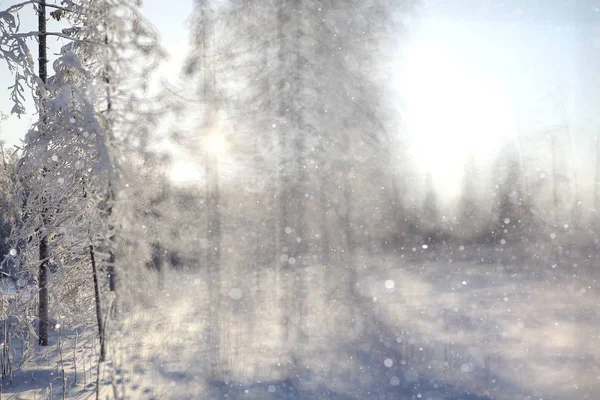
{"type": "Point", "coordinates": [111, 269]}
{"type": "Point", "coordinates": [597, 181]}
{"type": "Point", "coordinates": [42, 40]}
{"type": "Point", "coordinates": [260, 234]}
{"type": "Point", "coordinates": [324, 246]}
{"type": "Point", "coordinates": [214, 266]}
{"type": "Point", "coordinates": [299, 237]}
{"type": "Point", "coordinates": [348, 224]}
{"type": "Point", "coordinates": [43, 248]}
{"type": "Point", "coordinates": [351, 244]}
{"type": "Point", "coordinates": [43, 292]}
{"type": "Point", "coordinates": [258, 238]}
{"type": "Point", "coordinates": [283, 181]}
{"type": "Point", "coordinates": [98, 304]}
{"type": "Point", "coordinates": [324, 240]}
{"type": "Point", "coordinates": [213, 256]}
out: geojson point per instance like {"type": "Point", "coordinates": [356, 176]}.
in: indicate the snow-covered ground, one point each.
{"type": "Point", "coordinates": [67, 367]}
{"type": "Point", "coordinates": [412, 330]}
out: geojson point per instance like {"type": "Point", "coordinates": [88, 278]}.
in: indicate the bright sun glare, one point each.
{"type": "Point", "coordinates": [454, 107]}
{"type": "Point", "coordinates": [215, 144]}
{"type": "Point", "coordinates": [184, 172]}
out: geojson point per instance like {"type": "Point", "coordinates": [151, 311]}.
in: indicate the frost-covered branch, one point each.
{"type": "Point", "coordinates": [31, 34]}
{"type": "Point", "coordinates": [18, 6]}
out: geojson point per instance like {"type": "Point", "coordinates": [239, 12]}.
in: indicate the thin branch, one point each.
{"type": "Point", "coordinates": [58, 7]}
{"type": "Point", "coordinates": [17, 7]}
{"type": "Point", "coordinates": [36, 34]}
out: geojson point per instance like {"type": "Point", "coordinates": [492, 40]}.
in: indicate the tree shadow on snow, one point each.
{"type": "Point", "coordinates": [272, 390]}
{"type": "Point", "coordinates": [388, 364]}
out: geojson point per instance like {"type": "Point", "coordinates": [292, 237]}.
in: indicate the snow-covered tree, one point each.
{"type": "Point", "coordinates": [89, 114]}
{"type": "Point", "coordinates": [62, 176]}
{"type": "Point", "coordinates": [299, 77]}
{"type": "Point", "coordinates": [120, 49]}
{"type": "Point", "coordinates": [8, 160]}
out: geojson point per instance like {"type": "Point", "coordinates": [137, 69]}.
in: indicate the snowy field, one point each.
{"type": "Point", "coordinates": [412, 330]}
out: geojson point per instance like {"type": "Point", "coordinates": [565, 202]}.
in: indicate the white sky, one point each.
{"type": "Point", "coordinates": [466, 85]}
{"type": "Point", "coordinates": [474, 74]}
